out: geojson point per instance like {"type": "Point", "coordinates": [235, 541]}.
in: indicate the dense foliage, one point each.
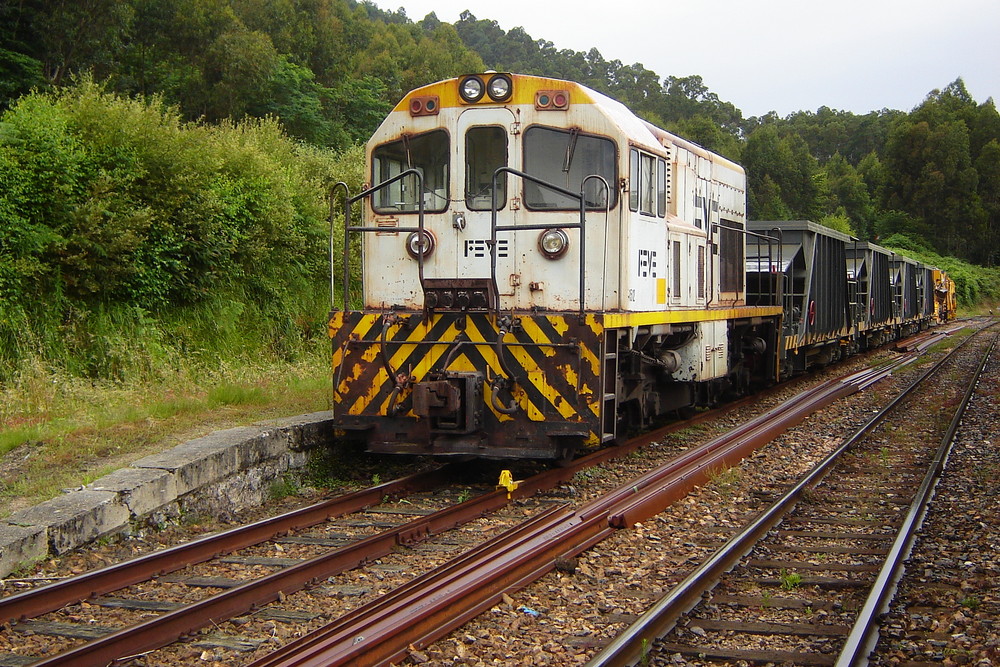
{"type": "Point", "coordinates": [328, 68]}
{"type": "Point", "coordinates": [164, 163]}
{"type": "Point", "coordinates": [125, 227]}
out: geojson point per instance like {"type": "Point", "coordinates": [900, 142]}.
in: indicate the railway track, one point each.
{"type": "Point", "coordinates": [805, 582]}
{"type": "Point", "coordinates": [948, 603]}
{"type": "Point", "coordinates": [422, 612]}
{"type": "Point", "coordinates": [288, 554]}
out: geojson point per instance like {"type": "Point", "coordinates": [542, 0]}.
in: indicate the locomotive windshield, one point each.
{"type": "Point", "coordinates": [565, 158]}
{"type": "Point", "coordinates": [485, 152]}
{"type": "Point", "coordinates": [428, 154]}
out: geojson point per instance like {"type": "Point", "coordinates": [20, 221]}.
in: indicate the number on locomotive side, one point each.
{"type": "Point", "coordinates": [631, 295]}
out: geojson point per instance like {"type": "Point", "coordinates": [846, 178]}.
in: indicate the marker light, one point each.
{"type": "Point", "coordinates": [553, 243]}
{"type": "Point", "coordinates": [554, 100]}
{"type": "Point", "coordinates": [500, 87]}
{"type": "Point", "coordinates": [417, 245]}
{"type": "Point", "coordinates": [471, 89]}
{"type": "Point", "coordinates": [428, 105]}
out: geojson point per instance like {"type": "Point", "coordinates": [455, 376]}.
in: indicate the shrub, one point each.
{"type": "Point", "coordinates": [130, 236]}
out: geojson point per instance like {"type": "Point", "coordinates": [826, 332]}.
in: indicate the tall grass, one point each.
{"type": "Point", "coordinates": [156, 277]}
{"type": "Point", "coordinates": [59, 431]}
{"type": "Point", "coordinates": [131, 241]}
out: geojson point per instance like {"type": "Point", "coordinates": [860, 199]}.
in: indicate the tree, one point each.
{"type": "Point", "coordinates": [19, 73]}
{"type": "Point", "coordinates": [706, 132]}
{"type": "Point", "coordinates": [76, 35]}
{"type": "Point", "coordinates": [838, 221]}
{"type": "Point", "coordinates": [781, 167]}
{"type": "Point", "coordinates": [988, 169]}
{"type": "Point", "coordinates": [931, 176]}
{"type": "Point", "coordinates": [848, 195]}
{"type": "Point", "coordinates": [239, 65]}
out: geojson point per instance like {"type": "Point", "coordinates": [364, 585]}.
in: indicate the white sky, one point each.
{"type": "Point", "coordinates": [772, 55]}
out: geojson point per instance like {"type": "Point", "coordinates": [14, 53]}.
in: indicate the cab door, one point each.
{"type": "Point", "coordinates": [486, 139]}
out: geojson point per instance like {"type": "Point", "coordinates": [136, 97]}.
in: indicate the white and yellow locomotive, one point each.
{"type": "Point", "coordinates": [540, 269]}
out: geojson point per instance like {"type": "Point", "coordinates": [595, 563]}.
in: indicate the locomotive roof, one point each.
{"type": "Point", "coordinates": [525, 86]}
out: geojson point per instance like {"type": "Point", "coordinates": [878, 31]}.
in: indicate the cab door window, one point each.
{"type": "Point", "coordinates": [485, 152]}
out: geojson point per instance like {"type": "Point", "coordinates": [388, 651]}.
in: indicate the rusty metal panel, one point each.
{"type": "Point", "coordinates": [526, 385]}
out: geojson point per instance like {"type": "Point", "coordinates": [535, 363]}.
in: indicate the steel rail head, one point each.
{"type": "Point", "coordinates": [628, 648]}
{"type": "Point", "coordinates": [166, 628]}
{"type": "Point", "coordinates": [51, 597]}
{"type": "Point", "coordinates": [585, 529]}
{"type": "Point", "coordinates": [433, 604]}
{"type": "Point", "coordinates": [864, 633]}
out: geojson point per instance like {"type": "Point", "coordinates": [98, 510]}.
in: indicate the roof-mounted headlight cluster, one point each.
{"type": "Point", "coordinates": [473, 88]}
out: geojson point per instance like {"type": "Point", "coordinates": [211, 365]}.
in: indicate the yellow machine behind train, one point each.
{"type": "Point", "coordinates": [945, 299]}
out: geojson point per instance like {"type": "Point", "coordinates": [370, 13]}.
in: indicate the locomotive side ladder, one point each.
{"type": "Point", "coordinates": [609, 400]}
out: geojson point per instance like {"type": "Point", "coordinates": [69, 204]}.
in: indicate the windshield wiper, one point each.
{"type": "Point", "coordinates": [570, 149]}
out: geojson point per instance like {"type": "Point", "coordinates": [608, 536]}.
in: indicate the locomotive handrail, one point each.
{"type": "Point", "coordinates": [786, 298]}
{"type": "Point", "coordinates": [350, 201]}
{"type": "Point", "coordinates": [772, 242]}
{"type": "Point", "coordinates": [333, 280]}
{"type": "Point", "coordinates": [604, 255]}
{"type": "Point", "coordinates": [581, 197]}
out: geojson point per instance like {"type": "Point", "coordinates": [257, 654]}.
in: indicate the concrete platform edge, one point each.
{"type": "Point", "coordinates": [218, 474]}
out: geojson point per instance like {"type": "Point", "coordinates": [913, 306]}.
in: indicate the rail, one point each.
{"type": "Point", "coordinates": [441, 600]}
{"type": "Point", "coordinates": [567, 533]}
{"type": "Point", "coordinates": [630, 646]}
{"type": "Point", "coordinates": [864, 634]}
{"type": "Point", "coordinates": [44, 599]}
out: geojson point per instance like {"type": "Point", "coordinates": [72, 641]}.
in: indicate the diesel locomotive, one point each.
{"type": "Point", "coordinates": [542, 270]}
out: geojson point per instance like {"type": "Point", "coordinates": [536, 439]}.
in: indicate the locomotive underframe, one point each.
{"type": "Point", "coordinates": [532, 385]}
{"type": "Point", "coordinates": [652, 381]}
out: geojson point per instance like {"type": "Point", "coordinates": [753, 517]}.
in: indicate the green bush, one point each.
{"type": "Point", "coordinates": [130, 237]}
{"type": "Point", "coordinates": [973, 283]}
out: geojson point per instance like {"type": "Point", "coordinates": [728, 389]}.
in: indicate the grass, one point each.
{"type": "Point", "coordinates": [58, 432]}
{"type": "Point", "coordinates": [726, 480]}
{"type": "Point", "coordinates": [790, 580]}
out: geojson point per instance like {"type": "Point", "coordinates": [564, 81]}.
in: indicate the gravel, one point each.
{"type": "Point", "coordinates": [565, 617]}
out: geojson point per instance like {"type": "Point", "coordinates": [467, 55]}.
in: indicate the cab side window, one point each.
{"type": "Point", "coordinates": [648, 183]}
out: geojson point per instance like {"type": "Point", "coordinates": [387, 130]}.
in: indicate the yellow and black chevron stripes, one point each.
{"type": "Point", "coordinates": [551, 364]}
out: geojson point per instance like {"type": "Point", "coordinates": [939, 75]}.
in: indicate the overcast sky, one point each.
{"type": "Point", "coordinates": [772, 55]}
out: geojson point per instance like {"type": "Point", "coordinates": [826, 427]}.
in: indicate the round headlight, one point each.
{"type": "Point", "coordinates": [553, 243]}
{"type": "Point", "coordinates": [471, 89]}
{"type": "Point", "coordinates": [418, 244]}
{"type": "Point", "coordinates": [499, 87]}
